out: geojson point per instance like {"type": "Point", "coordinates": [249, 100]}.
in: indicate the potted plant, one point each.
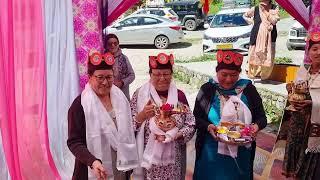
{"type": "Point", "coordinates": [284, 70]}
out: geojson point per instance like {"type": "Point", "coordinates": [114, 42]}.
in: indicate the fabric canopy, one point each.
{"type": "Point", "coordinates": [39, 79]}
{"type": "Point", "coordinates": [296, 9]}
{"type": "Point", "coordinates": [23, 91]}
{"type": "Point", "coordinates": [118, 7]}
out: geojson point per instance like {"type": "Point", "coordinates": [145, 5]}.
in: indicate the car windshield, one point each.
{"type": "Point", "coordinates": [228, 20]}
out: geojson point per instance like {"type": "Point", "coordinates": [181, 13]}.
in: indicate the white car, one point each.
{"type": "Point", "coordinates": [146, 29]}
{"type": "Point", "coordinates": [163, 12]}
{"type": "Point", "coordinates": [228, 30]}
{"type": "Point", "coordinates": [296, 36]}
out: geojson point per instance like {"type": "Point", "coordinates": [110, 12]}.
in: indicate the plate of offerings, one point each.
{"type": "Point", "coordinates": [234, 133]}
{"type": "Point", "coordinates": [163, 116]}
{"type": "Point", "coordinates": [297, 92]}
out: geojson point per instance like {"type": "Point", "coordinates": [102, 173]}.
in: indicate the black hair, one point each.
{"type": "Point", "coordinates": [107, 37]}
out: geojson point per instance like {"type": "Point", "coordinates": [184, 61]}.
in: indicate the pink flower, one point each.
{"type": "Point", "coordinates": [166, 107]}
{"type": "Point", "coordinates": [247, 131]}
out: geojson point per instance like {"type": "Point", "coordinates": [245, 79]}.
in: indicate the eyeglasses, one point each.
{"type": "Point", "coordinates": [159, 75]}
{"type": "Point", "coordinates": [113, 43]}
{"type": "Point", "coordinates": [101, 78]}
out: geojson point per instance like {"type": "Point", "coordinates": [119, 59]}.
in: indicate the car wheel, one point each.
{"type": "Point", "coordinates": [161, 42]}
{"type": "Point", "coordinates": [290, 48]}
{"type": "Point", "coordinates": [190, 25]}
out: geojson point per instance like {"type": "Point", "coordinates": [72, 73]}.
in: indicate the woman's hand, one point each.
{"type": "Point", "coordinates": [178, 136]}
{"type": "Point", "coordinates": [255, 129]}
{"type": "Point", "coordinates": [160, 138]}
{"type": "Point", "coordinates": [212, 130]}
{"type": "Point", "coordinates": [99, 170]}
{"type": "Point", "coordinates": [147, 112]}
{"type": "Point", "coordinates": [299, 105]}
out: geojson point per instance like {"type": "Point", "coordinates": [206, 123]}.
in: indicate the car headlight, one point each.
{"type": "Point", "coordinates": [293, 33]}
{"type": "Point", "coordinates": [206, 37]}
{"type": "Point", "coordinates": [246, 35]}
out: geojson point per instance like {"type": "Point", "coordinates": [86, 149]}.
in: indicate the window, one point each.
{"type": "Point", "coordinates": [142, 12]}
{"type": "Point", "coordinates": [157, 12]}
{"type": "Point", "coordinates": [228, 20]}
{"type": "Point", "coordinates": [172, 12]}
{"type": "Point", "coordinates": [150, 21]}
{"type": "Point", "coordinates": [129, 22]}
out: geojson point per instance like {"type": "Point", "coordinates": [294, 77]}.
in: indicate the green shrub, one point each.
{"type": "Point", "coordinates": [203, 58]}
{"type": "Point", "coordinates": [283, 60]}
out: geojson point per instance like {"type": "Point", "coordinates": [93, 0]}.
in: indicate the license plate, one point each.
{"type": "Point", "coordinates": [224, 46]}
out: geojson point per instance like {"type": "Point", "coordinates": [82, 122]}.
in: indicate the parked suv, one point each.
{"type": "Point", "coordinates": [160, 11]}
{"type": "Point", "coordinates": [189, 12]}
{"type": "Point", "coordinates": [296, 36]}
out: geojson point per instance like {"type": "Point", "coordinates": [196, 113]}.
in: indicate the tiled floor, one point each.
{"type": "Point", "coordinates": [265, 142]}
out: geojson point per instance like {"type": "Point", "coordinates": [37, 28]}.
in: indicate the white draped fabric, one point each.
{"type": "Point", "coordinates": [4, 173]}
{"type": "Point", "coordinates": [62, 80]}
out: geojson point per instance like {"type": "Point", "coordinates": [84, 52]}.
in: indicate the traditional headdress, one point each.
{"type": "Point", "coordinates": [313, 38]}
{"type": "Point", "coordinates": [161, 61]}
{"type": "Point", "coordinates": [98, 61]}
{"type": "Point", "coordinates": [229, 60]}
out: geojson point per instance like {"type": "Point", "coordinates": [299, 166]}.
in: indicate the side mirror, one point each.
{"type": "Point", "coordinates": [206, 26]}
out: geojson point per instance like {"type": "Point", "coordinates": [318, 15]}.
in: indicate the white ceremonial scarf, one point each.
{"type": "Point", "coordinates": [102, 133]}
{"type": "Point", "coordinates": [314, 89]}
{"type": "Point", "coordinates": [62, 80]}
{"type": "Point", "coordinates": [229, 113]}
{"type": "Point", "coordinates": [147, 92]}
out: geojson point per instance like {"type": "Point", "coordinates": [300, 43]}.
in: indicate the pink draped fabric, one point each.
{"type": "Point", "coordinates": [88, 33]}
{"type": "Point", "coordinates": [118, 7]}
{"type": "Point", "coordinates": [23, 91]}
{"type": "Point", "coordinates": [296, 9]}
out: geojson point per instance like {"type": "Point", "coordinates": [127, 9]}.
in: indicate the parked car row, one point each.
{"type": "Point", "coordinates": [146, 29]}
{"type": "Point", "coordinates": [162, 26]}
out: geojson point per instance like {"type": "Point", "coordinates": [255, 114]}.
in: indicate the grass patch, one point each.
{"type": "Point", "coordinates": [283, 60]}
{"type": "Point", "coordinates": [203, 58]}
